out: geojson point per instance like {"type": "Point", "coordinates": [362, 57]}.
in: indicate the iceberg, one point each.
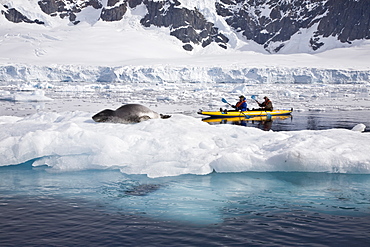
{"type": "Point", "coordinates": [71, 141]}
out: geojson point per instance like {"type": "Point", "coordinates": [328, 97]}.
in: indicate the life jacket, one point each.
{"type": "Point", "coordinates": [239, 104]}
{"type": "Point", "coordinates": [267, 104]}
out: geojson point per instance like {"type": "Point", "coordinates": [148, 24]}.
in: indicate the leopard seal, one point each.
{"type": "Point", "coordinates": [129, 113]}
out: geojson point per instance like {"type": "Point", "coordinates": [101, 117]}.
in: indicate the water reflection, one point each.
{"type": "Point", "coordinates": [308, 120]}
{"type": "Point", "coordinates": [261, 122]}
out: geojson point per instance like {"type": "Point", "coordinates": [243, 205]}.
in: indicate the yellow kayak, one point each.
{"type": "Point", "coordinates": [236, 119]}
{"type": "Point", "coordinates": [245, 114]}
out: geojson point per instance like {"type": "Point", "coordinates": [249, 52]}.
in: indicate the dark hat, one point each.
{"type": "Point", "coordinates": [265, 97]}
{"type": "Point", "coordinates": [241, 96]}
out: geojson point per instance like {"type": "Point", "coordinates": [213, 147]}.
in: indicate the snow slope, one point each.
{"type": "Point", "coordinates": [126, 51]}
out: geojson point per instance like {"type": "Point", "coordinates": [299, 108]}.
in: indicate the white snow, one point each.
{"type": "Point", "coordinates": [71, 141]}
{"type": "Point", "coordinates": [34, 96]}
{"type": "Point", "coordinates": [359, 127]}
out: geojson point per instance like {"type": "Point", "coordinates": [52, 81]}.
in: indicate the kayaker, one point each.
{"type": "Point", "coordinates": [266, 105]}
{"type": "Point", "coordinates": [241, 105]}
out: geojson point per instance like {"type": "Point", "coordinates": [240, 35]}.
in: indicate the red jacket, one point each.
{"type": "Point", "coordinates": [241, 105]}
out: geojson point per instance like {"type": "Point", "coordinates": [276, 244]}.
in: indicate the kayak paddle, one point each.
{"type": "Point", "coordinates": [225, 101]}
{"type": "Point", "coordinates": [268, 118]}
{"type": "Point", "coordinates": [254, 97]}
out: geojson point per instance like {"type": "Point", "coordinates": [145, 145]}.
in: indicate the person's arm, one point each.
{"type": "Point", "coordinates": [244, 106]}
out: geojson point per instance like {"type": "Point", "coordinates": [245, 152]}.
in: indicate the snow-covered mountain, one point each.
{"type": "Point", "coordinates": [185, 40]}
{"type": "Point", "coordinates": [273, 24]}
{"type": "Point", "coordinates": [269, 23]}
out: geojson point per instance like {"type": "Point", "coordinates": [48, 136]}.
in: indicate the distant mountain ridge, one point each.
{"type": "Point", "coordinates": [270, 23]}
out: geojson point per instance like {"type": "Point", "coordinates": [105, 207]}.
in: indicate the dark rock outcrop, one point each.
{"type": "Point", "coordinates": [347, 19]}
{"type": "Point", "coordinates": [15, 16]}
{"type": "Point", "coordinates": [113, 14]}
{"type": "Point", "coordinates": [134, 3]}
{"type": "Point", "coordinates": [187, 25]}
{"type": "Point", "coordinates": [270, 22]}
{"type": "Point", "coordinates": [54, 7]}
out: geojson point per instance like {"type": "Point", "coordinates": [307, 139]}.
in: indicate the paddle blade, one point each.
{"type": "Point", "coordinates": [225, 101]}
{"type": "Point", "coordinates": [253, 97]}
{"type": "Point", "coordinates": [247, 117]}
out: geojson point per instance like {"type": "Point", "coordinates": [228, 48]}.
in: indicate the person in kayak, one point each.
{"type": "Point", "coordinates": [241, 105]}
{"type": "Point", "coordinates": [265, 105]}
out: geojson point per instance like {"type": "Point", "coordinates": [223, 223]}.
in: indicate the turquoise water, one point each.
{"type": "Point", "coordinates": [98, 208]}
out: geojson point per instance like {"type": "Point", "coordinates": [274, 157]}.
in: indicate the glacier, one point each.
{"type": "Point", "coordinates": [172, 74]}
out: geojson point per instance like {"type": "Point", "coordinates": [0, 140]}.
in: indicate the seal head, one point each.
{"type": "Point", "coordinates": [104, 116]}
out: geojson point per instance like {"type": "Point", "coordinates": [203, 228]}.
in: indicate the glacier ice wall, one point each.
{"type": "Point", "coordinates": [161, 74]}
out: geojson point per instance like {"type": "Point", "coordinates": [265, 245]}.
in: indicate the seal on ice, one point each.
{"type": "Point", "coordinates": [130, 113]}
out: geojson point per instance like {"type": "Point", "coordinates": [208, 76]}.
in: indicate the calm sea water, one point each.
{"type": "Point", "coordinates": [107, 208]}
{"type": "Point", "coordinates": [49, 221]}
{"type": "Point", "coordinates": [308, 120]}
